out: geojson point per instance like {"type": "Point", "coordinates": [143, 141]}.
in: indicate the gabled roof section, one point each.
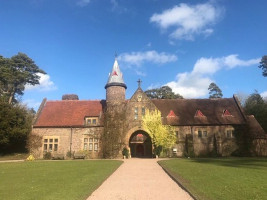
{"type": "Point", "coordinates": [139, 96]}
{"type": "Point", "coordinates": [210, 108]}
{"type": "Point", "coordinates": [226, 113]}
{"type": "Point", "coordinates": [199, 114]}
{"type": "Point", "coordinates": [115, 77]}
{"type": "Point", "coordinates": [255, 128]}
{"type": "Point", "coordinates": [69, 113]}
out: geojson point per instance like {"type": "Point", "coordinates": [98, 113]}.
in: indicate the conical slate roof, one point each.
{"type": "Point", "coordinates": [115, 77]}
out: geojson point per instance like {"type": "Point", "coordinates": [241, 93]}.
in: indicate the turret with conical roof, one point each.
{"type": "Point", "coordinates": [115, 87]}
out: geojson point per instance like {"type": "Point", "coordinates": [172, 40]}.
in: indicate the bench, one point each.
{"type": "Point", "coordinates": [57, 156]}
{"type": "Point", "coordinates": [78, 156]}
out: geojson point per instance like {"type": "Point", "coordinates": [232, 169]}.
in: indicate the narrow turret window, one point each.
{"type": "Point", "coordinates": [143, 111]}
{"type": "Point", "coordinates": [136, 113]}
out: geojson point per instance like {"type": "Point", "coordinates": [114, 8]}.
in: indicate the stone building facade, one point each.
{"type": "Point", "coordinates": [202, 126]}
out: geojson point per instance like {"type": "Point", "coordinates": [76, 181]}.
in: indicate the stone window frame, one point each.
{"type": "Point", "coordinates": [136, 113]}
{"type": "Point", "coordinates": [91, 121]}
{"type": "Point", "coordinates": [229, 133]}
{"type": "Point", "coordinates": [91, 143]}
{"type": "Point", "coordinates": [202, 133]}
{"type": "Point", "coordinates": [50, 143]}
{"type": "Point", "coordinates": [143, 111]}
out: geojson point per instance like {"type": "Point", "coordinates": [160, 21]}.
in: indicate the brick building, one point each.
{"type": "Point", "coordinates": [73, 125]}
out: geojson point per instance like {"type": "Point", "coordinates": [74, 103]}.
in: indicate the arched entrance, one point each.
{"type": "Point", "coordinates": [140, 144]}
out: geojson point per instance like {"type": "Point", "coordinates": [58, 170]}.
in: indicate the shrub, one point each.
{"type": "Point", "coordinates": [125, 152]}
{"type": "Point", "coordinates": [47, 156]}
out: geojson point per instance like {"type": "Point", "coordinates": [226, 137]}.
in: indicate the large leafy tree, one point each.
{"type": "Point", "coordinates": [15, 126]}
{"type": "Point", "coordinates": [214, 91]}
{"type": "Point", "coordinates": [163, 136]}
{"type": "Point", "coordinates": [255, 105]}
{"type": "Point", "coordinates": [165, 92]}
{"type": "Point", "coordinates": [263, 65]}
{"type": "Point", "coordinates": [15, 73]}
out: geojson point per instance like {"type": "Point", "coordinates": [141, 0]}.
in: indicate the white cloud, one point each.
{"type": "Point", "coordinates": [31, 103]}
{"type": "Point", "coordinates": [116, 7]}
{"type": "Point", "coordinates": [138, 58]}
{"type": "Point", "coordinates": [264, 94]}
{"type": "Point", "coordinates": [212, 65]}
{"type": "Point", "coordinates": [195, 83]}
{"type": "Point", "coordinates": [190, 85]}
{"type": "Point", "coordinates": [45, 84]}
{"type": "Point", "coordinates": [83, 3]}
{"type": "Point", "coordinates": [188, 20]}
{"type": "Point", "coordinates": [232, 61]}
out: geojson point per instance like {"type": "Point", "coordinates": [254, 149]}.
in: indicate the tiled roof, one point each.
{"type": "Point", "coordinates": [212, 110]}
{"type": "Point", "coordinates": [68, 112]}
{"type": "Point", "coordinates": [255, 128]}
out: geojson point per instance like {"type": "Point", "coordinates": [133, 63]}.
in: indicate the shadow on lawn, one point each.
{"type": "Point", "coordinates": [253, 163]}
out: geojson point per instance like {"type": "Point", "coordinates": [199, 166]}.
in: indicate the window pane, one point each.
{"type": "Point", "coordinates": [177, 133]}
{"type": "Point", "coordinates": [94, 121]}
{"type": "Point", "coordinates": [205, 133]}
{"type": "Point", "coordinates": [96, 139]}
{"type": "Point", "coordinates": [90, 146]}
{"type": "Point", "coordinates": [88, 121]}
{"type": "Point", "coordinates": [50, 147]}
{"type": "Point", "coordinates": [56, 141]}
{"type": "Point", "coordinates": [229, 133]}
{"type": "Point", "coordinates": [143, 111]}
{"type": "Point", "coordinates": [96, 147]}
{"type": "Point", "coordinates": [135, 116]}
{"type": "Point", "coordinates": [90, 139]}
{"type": "Point", "coordinates": [199, 133]}
{"type": "Point", "coordinates": [51, 140]}
{"type": "Point", "coordinates": [85, 146]}
{"type": "Point", "coordinates": [45, 140]}
{"type": "Point", "coordinates": [85, 140]}
{"type": "Point", "coordinates": [45, 147]}
{"type": "Point", "coordinates": [55, 147]}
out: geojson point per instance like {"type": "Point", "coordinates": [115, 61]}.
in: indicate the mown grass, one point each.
{"type": "Point", "coordinates": [229, 178]}
{"type": "Point", "coordinates": [53, 179]}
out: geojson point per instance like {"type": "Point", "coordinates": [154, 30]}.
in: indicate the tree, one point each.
{"type": "Point", "coordinates": [263, 65]}
{"type": "Point", "coordinates": [162, 136]}
{"type": "Point", "coordinates": [165, 92]}
{"type": "Point", "coordinates": [15, 126]}
{"type": "Point", "coordinates": [15, 73]}
{"type": "Point", "coordinates": [214, 91]}
{"type": "Point", "coordinates": [256, 106]}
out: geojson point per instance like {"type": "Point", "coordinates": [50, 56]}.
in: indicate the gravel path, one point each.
{"type": "Point", "coordinates": [139, 179]}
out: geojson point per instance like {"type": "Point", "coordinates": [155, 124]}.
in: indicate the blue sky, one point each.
{"type": "Point", "coordinates": [184, 44]}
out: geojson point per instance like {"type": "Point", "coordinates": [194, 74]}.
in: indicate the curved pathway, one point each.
{"type": "Point", "coordinates": [139, 179]}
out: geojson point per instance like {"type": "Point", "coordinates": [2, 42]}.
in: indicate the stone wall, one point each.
{"type": "Point", "coordinates": [69, 139]}
{"type": "Point", "coordinates": [204, 145]}
{"type": "Point", "coordinates": [115, 94]}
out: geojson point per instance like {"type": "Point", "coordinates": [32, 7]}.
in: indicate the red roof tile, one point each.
{"type": "Point", "coordinates": [211, 108]}
{"type": "Point", "coordinates": [68, 113]}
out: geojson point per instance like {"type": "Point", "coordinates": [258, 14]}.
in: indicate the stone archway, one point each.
{"type": "Point", "coordinates": [140, 144]}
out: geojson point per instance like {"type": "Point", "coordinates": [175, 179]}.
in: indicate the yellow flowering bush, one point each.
{"type": "Point", "coordinates": [30, 158]}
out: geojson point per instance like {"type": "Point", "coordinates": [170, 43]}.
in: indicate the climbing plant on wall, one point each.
{"type": "Point", "coordinates": [163, 136]}
{"type": "Point", "coordinates": [113, 132]}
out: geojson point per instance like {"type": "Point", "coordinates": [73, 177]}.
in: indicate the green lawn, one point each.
{"type": "Point", "coordinates": [53, 179]}
{"type": "Point", "coordinates": [226, 178]}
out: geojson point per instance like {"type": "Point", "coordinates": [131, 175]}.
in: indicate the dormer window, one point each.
{"type": "Point", "coordinates": [226, 113]}
{"type": "Point", "coordinates": [199, 114]}
{"type": "Point", "coordinates": [91, 121]}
